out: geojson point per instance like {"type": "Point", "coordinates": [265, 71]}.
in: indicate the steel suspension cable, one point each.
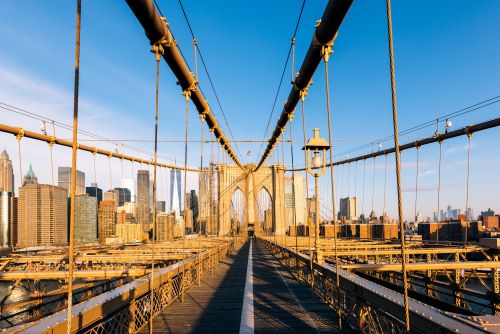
{"type": "Point", "coordinates": [284, 211]}
{"type": "Point", "coordinates": [416, 184]}
{"type": "Point", "coordinates": [293, 199]}
{"type": "Point", "coordinates": [398, 163]}
{"type": "Point", "coordinates": [308, 207]}
{"type": "Point", "coordinates": [364, 179]}
{"type": "Point", "coordinates": [356, 184]}
{"type": "Point", "coordinates": [373, 185]}
{"type": "Point", "coordinates": [283, 74]}
{"type": "Point", "coordinates": [385, 187]}
{"type": "Point", "coordinates": [438, 213]}
{"type": "Point", "coordinates": [187, 95]}
{"type": "Point", "coordinates": [348, 180]}
{"type": "Point", "coordinates": [51, 144]}
{"type": "Point", "coordinates": [95, 185]}
{"type": "Point", "coordinates": [157, 49]}
{"type": "Point", "coordinates": [469, 137]}
{"type": "Point", "coordinates": [327, 50]}
{"type": "Point", "coordinates": [73, 168]}
{"type": "Point", "coordinates": [110, 176]}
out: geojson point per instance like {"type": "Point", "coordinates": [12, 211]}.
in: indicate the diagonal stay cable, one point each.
{"type": "Point", "coordinates": [209, 76]}
{"type": "Point", "coordinates": [282, 75]}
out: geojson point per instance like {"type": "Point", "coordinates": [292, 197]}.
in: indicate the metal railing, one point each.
{"type": "Point", "coordinates": [126, 309]}
{"type": "Point", "coordinates": [369, 307]}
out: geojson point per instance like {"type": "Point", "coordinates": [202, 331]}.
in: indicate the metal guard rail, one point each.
{"type": "Point", "coordinates": [126, 309]}
{"type": "Point", "coordinates": [371, 308]}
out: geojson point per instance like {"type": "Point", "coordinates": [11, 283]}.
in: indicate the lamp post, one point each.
{"type": "Point", "coordinates": [316, 166]}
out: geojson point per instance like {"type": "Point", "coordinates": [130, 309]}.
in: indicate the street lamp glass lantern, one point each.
{"type": "Point", "coordinates": [317, 161]}
{"type": "Point", "coordinates": [319, 146]}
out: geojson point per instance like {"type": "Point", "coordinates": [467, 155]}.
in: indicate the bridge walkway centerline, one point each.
{"type": "Point", "coordinates": [280, 304]}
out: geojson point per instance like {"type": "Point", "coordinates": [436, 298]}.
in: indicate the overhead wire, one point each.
{"type": "Point", "coordinates": [208, 75]}
{"type": "Point", "coordinates": [95, 137]}
{"type": "Point", "coordinates": [283, 73]}
{"type": "Point", "coordinates": [477, 106]}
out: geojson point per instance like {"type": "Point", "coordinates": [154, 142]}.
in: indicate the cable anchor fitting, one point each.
{"type": "Point", "coordinates": [326, 51]}
{"type": "Point", "coordinates": [51, 141]}
{"type": "Point", "coordinates": [20, 134]}
{"type": "Point", "coordinates": [187, 92]}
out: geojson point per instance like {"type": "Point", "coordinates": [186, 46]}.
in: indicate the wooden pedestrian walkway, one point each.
{"type": "Point", "coordinates": [266, 299]}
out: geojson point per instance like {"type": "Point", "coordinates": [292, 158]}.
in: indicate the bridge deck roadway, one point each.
{"type": "Point", "coordinates": [242, 298]}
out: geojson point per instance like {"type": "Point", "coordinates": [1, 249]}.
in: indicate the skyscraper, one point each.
{"type": "Point", "coordinates": [349, 208]}
{"type": "Point", "coordinates": [94, 191]}
{"type": "Point", "coordinates": [160, 206]}
{"type": "Point", "coordinates": [175, 190]}
{"type": "Point", "coordinates": [111, 195]}
{"type": "Point", "coordinates": [6, 203]}
{"type": "Point", "coordinates": [143, 212]}
{"type": "Point", "coordinates": [6, 173]}
{"type": "Point", "coordinates": [204, 200]}
{"type": "Point", "coordinates": [124, 195]}
{"type": "Point", "coordinates": [299, 186]}
{"type": "Point", "coordinates": [192, 202]}
{"type": "Point", "coordinates": [129, 184]}
{"type": "Point", "coordinates": [85, 219]}
{"type": "Point", "coordinates": [42, 214]}
{"type": "Point", "coordinates": [107, 220]}
{"type": "Point", "coordinates": [64, 180]}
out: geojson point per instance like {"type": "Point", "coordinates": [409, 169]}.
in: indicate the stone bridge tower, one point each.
{"type": "Point", "coordinates": [250, 183]}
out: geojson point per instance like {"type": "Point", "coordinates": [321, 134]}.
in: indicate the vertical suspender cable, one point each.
{"type": "Point", "coordinates": [373, 185]}
{"type": "Point", "coordinates": [348, 180]}
{"type": "Point", "coordinates": [326, 53]}
{"type": "Point", "coordinates": [51, 145]}
{"type": "Point", "coordinates": [202, 118]}
{"type": "Point", "coordinates": [283, 189]}
{"type": "Point", "coordinates": [398, 164]}
{"type": "Point", "coordinates": [364, 181]}
{"type": "Point", "coordinates": [187, 95]}
{"type": "Point", "coordinates": [157, 50]}
{"type": "Point", "coordinates": [438, 214]}
{"type": "Point", "coordinates": [356, 184]}
{"type": "Point", "coordinates": [110, 178]}
{"type": "Point", "coordinates": [416, 184]}
{"type": "Point", "coordinates": [293, 199]}
{"type": "Point", "coordinates": [385, 187]}
{"type": "Point", "coordinates": [303, 94]}
{"type": "Point", "coordinates": [469, 137]}
{"type": "Point", "coordinates": [73, 167]}
{"type": "Point", "coordinates": [95, 184]}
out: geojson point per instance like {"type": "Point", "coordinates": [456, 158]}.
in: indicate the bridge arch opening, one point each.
{"type": "Point", "coordinates": [264, 205]}
{"type": "Point", "coordinates": [238, 210]}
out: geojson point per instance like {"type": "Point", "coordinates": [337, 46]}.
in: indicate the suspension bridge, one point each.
{"type": "Point", "coordinates": [265, 253]}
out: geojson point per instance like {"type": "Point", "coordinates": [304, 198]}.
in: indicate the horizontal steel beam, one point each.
{"type": "Point", "coordinates": [423, 266]}
{"type": "Point", "coordinates": [47, 274]}
{"type": "Point", "coordinates": [470, 129]}
{"type": "Point", "coordinates": [20, 132]}
{"type": "Point", "coordinates": [396, 251]}
{"type": "Point", "coordinates": [334, 14]}
{"type": "Point", "coordinates": [157, 31]}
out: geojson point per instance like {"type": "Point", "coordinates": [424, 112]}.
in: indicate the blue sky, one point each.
{"type": "Point", "coordinates": [445, 53]}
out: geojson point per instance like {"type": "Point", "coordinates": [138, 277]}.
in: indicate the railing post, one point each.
{"type": "Point", "coordinates": [456, 281]}
{"type": "Point", "coordinates": [428, 277]}
{"type": "Point", "coordinates": [495, 299]}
